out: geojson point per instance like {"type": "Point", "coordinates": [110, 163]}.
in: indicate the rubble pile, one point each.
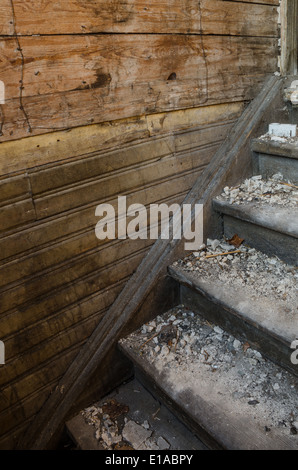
{"type": "Point", "coordinates": [116, 431]}
{"type": "Point", "coordinates": [117, 427]}
{"type": "Point", "coordinates": [182, 345]}
{"type": "Point", "coordinates": [241, 266]}
{"type": "Point", "coordinates": [274, 191]}
{"type": "Point", "coordinates": [281, 139]}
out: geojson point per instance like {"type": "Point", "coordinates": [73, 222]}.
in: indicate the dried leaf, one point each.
{"type": "Point", "coordinates": [236, 241]}
{"type": "Point", "coordinates": [246, 346]}
{"type": "Point", "coordinates": [121, 446]}
{"type": "Point", "coordinates": [206, 355]}
{"type": "Point", "coordinates": [114, 409]}
{"type": "Point", "coordinates": [168, 333]}
{"type": "Point", "coordinates": [253, 402]}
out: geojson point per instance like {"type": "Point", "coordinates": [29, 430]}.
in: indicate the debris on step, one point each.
{"type": "Point", "coordinates": [131, 419]}
{"type": "Point", "coordinates": [203, 358]}
{"type": "Point", "coordinates": [136, 434]}
{"type": "Point", "coordinates": [274, 191]}
{"type": "Point", "coordinates": [293, 140]}
{"type": "Point", "coordinates": [262, 275]}
{"type": "Point", "coordinates": [291, 93]}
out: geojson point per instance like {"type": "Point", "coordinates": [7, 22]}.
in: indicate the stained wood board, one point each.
{"type": "Point", "coordinates": [70, 81]}
{"type": "Point", "coordinates": [138, 16]}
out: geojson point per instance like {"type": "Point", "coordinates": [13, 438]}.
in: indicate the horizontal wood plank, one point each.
{"type": "Point", "coordinates": [14, 188]}
{"type": "Point", "coordinates": [33, 371]}
{"type": "Point", "coordinates": [107, 79]}
{"type": "Point", "coordinates": [22, 268]}
{"type": "Point", "coordinates": [63, 320]}
{"type": "Point", "coordinates": [35, 382]}
{"type": "Point", "coordinates": [17, 214]}
{"type": "Point", "coordinates": [97, 167]}
{"type": "Point", "coordinates": [78, 143]}
{"type": "Point", "coordinates": [41, 355]}
{"type": "Point", "coordinates": [67, 273]}
{"type": "Point", "coordinates": [138, 16]}
{"type": "Point", "coordinates": [45, 236]}
{"type": "Point", "coordinates": [66, 297]}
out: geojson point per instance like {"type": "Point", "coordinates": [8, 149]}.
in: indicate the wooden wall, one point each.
{"type": "Point", "coordinates": [67, 63]}
{"type": "Point", "coordinates": [103, 98]}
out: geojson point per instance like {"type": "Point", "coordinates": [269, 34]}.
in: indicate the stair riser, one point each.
{"type": "Point", "coordinates": [293, 114]}
{"type": "Point", "coordinates": [272, 347]}
{"type": "Point", "coordinates": [263, 239]}
{"type": "Point", "coordinates": [268, 165]}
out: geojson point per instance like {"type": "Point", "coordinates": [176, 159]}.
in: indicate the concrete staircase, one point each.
{"type": "Point", "coordinates": [222, 362]}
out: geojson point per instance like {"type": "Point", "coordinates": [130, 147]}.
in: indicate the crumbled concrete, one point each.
{"type": "Point", "coordinates": [273, 191]}
{"type": "Point", "coordinates": [291, 93]}
{"type": "Point", "coordinates": [136, 434]}
{"type": "Point", "coordinates": [131, 419]}
{"type": "Point", "coordinates": [282, 139]}
{"type": "Point", "coordinates": [162, 443]}
{"type": "Point", "coordinates": [201, 351]}
{"type": "Point", "coordinates": [261, 275]}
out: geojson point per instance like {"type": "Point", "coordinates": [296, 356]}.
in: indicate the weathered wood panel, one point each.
{"type": "Point", "coordinates": [42, 259]}
{"type": "Point", "coordinates": [148, 190]}
{"type": "Point", "coordinates": [17, 214]}
{"type": "Point", "coordinates": [65, 229]}
{"type": "Point", "coordinates": [127, 181]}
{"type": "Point", "coordinates": [58, 147]}
{"type": "Point", "coordinates": [70, 81]}
{"type": "Point", "coordinates": [138, 16]}
{"type": "Point", "coordinates": [66, 297]}
{"type": "Point", "coordinates": [66, 318]}
{"type": "Point", "coordinates": [53, 294]}
{"type": "Point", "coordinates": [101, 64]}
{"type": "Point", "coordinates": [14, 188]}
{"type": "Point", "coordinates": [289, 37]}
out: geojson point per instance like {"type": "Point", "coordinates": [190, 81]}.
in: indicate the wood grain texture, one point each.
{"type": "Point", "coordinates": [70, 81]}
{"type": "Point", "coordinates": [289, 37]}
{"type": "Point", "coordinates": [61, 146]}
{"type": "Point", "coordinates": [138, 16]}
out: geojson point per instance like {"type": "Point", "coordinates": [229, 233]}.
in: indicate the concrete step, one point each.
{"type": "Point", "coordinates": [250, 294]}
{"type": "Point", "coordinates": [130, 418]}
{"type": "Point", "coordinates": [225, 391]}
{"type": "Point", "coordinates": [264, 212]}
{"type": "Point", "coordinates": [276, 154]}
{"type": "Point", "coordinates": [270, 228]}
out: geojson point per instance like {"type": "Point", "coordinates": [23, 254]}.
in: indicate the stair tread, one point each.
{"type": "Point", "coordinates": [241, 402]}
{"type": "Point", "coordinates": [133, 404]}
{"type": "Point", "coordinates": [264, 211]}
{"type": "Point", "coordinates": [274, 217]}
{"type": "Point", "coordinates": [281, 147]}
{"type": "Point", "coordinates": [247, 286]}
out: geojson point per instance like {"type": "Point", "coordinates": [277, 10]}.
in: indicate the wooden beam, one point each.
{"type": "Point", "coordinates": [109, 330]}
{"type": "Point", "coordinates": [289, 37]}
